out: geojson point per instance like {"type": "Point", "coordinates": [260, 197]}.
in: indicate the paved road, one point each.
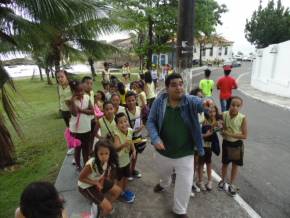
{"type": "Point", "coordinates": [264, 181]}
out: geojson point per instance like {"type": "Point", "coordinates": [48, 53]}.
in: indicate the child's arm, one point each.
{"type": "Point", "coordinates": [84, 177]}
{"type": "Point", "coordinates": [72, 106]}
{"type": "Point", "coordinates": [96, 130]}
{"type": "Point", "coordinates": [244, 133]}
{"type": "Point", "coordinates": [89, 110]}
{"type": "Point", "coordinates": [117, 144]}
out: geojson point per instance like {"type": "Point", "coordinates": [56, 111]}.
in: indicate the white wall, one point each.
{"type": "Point", "coordinates": [271, 69]}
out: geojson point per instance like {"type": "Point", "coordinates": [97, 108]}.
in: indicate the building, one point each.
{"type": "Point", "coordinates": [213, 49]}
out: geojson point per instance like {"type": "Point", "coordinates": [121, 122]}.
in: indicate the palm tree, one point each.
{"type": "Point", "coordinates": [25, 22]}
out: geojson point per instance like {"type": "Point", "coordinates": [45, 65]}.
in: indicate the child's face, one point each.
{"type": "Point", "coordinates": [103, 154]}
{"type": "Point", "coordinates": [113, 89]}
{"type": "Point", "coordinates": [212, 112]}
{"type": "Point", "coordinates": [131, 102]}
{"type": "Point", "coordinates": [88, 85]}
{"type": "Point", "coordinates": [79, 92]}
{"type": "Point", "coordinates": [235, 106]}
{"type": "Point", "coordinates": [98, 96]}
{"type": "Point", "coordinates": [123, 124]}
{"type": "Point", "coordinates": [61, 78]}
{"type": "Point", "coordinates": [109, 110]}
{"type": "Point", "coordinates": [116, 101]}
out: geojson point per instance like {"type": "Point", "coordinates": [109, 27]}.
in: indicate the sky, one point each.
{"type": "Point", "coordinates": [234, 22]}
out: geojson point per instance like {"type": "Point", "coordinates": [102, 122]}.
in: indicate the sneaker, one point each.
{"type": "Point", "coordinates": [158, 188]}
{"type": "Point", "coordinates": [128, 199]}
{"type": "Point", "coordinates": [232, 190]}
{"type": "Point", "coordinates": [209, 185]}
{"type": "Point", "coordinates": [73, 162]}
{"type": "Point", "coordinates": [94, 211]}
{"type": "Point", "coordinates": [137, 174]}
{"type": "Point", "coordinates": [195, 188]}
{"type": "Point", "coordinates": [221, 185]}
{"type": "Point", "coordinates": [131, 178]}
{"type": "Point", "coordinates": [129, 193]}
{"type": "Point", "coordinates": [180, 215]}
{"type": "Point", "coordinates": [70, 151]}
{"type": "Point", "coordinates": [201, 186]}
{"type": "Point", "coordinates": [192, 194]}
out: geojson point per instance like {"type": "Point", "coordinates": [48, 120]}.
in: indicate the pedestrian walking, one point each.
{"type": "Point", "coordinates": [206, 84]}
{"type": "Point", "coordinates": [175, 131]}
{"type": "Point", "coordinates": [226, 84]}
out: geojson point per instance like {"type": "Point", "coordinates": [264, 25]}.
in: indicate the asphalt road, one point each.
{"type": "Point", "coordinates": [264, 181]}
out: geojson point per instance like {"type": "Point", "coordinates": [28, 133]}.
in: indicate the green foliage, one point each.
{"type": "Point", "coordinates": [268, 25]}
{"type": "Point", "coordinates": [207, 16]}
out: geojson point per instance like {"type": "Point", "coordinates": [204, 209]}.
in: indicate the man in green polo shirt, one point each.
{"type": "Point", "coordinates": [175, 131]}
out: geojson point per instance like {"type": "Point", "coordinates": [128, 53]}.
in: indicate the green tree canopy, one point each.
{"type": "Point", "coordinates": [268, 25]}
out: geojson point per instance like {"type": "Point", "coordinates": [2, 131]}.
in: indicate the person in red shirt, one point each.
{"type": "Point", "coordinates": [226, 84]}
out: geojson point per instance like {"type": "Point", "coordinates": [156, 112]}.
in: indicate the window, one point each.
{"type": "Point", "coordinates": [155, 59]}
{"type": "Point", "coordinates": [194, 49]}
{"type": "Point", "coordinates": [162, 59]}
{"type": "Point", "coordinates": [226, 50]}
{"type": "Point", "coordinates": [220, 51]}
{"type": "Point", "coordinates": [203, 51]}
{"type": "Point", "coordinates": [211, 51]}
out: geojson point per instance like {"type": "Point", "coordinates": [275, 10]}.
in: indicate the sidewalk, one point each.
{"type": "Point", "coordinates": [149, 204]}
{"type": "Point", "coordinates": [244, 81]}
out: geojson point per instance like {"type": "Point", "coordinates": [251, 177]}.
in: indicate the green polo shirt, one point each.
{"type": "Point", "coordinates": [175, 135]}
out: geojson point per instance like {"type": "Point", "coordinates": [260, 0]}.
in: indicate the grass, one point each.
{"type": "Point", "coordinates": [41, 152]}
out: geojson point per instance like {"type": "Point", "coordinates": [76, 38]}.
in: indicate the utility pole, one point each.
{"type": "Point", "coordinates": [184, 46]}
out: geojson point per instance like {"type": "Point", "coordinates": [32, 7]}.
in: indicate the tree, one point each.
{"type": "Point", "coordinates": [268, 25]}
{"type": "Point", "coordinates": [23, 33]}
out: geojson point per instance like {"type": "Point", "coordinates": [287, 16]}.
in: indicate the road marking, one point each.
{"type": "Point", "coordinates": [241, 75]}
{"type": "Point", "coordinates": [243, 204]}
{"type": "Point", "coordinates": [251, 212]}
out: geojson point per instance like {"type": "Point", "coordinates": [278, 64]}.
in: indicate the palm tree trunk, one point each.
{"type": "Point", "coordinates": [47, 76]}
{"type": "Point", "coordinates": [40, 72]}
{"type": "Point", "coordinates": [51, 71]}
{"type": "Point", "coordinates": [91, 63]}
{"type": "Point", "coordinates": [56, 59]}
{"type": "Point", "coordinates": [7, 152]}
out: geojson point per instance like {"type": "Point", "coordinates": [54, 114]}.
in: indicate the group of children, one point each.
{"type": "Point", "coordinates": [109, 126]}
{"type": "Point", "coordinates": [232, 126]}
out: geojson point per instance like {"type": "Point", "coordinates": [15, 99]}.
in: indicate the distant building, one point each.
{"type": "Point", "coordinates": [215, 48]}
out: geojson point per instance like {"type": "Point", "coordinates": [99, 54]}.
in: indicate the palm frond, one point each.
{"type": "Point", "coordinates": [8, 105]}
{"type": "Point", "coordinates": [96, 49]}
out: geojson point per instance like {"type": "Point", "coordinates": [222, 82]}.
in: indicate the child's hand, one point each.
{"type": "Point", "coordinates": [208, 133]}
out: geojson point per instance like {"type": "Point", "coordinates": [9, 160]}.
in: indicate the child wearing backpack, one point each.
{"type": "Point", "coordinates": [124, 146]}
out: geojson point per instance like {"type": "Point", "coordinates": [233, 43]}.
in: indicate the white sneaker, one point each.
{"type": "Point", "coordinates": [131, 178]}
{"type": "Point", "coordinates": [195, 188]}
{"type": "Point", "coordinates": [192, 194]}
{"type": "Point", "coordinates": [94, 211]}
{"type": "Point", "coordinates": [70, 151]}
